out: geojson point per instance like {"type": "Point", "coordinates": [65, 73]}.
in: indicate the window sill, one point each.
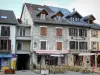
{"type": "Point", "coordinates": [43, 36]}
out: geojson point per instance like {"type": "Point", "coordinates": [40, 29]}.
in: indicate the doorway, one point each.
{"type": "Point", "coordinates": [98, 61]}
{"type": "Point", "coordinates": [78, 60]}
{"type": "Point", "coordinates": [23, 61]}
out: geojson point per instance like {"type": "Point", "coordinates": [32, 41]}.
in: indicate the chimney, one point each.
{"type": "Point", "coordinates": [30, 8]}
{"type": "Point", "coordinates": [19, 20]}
{"type": "Point", "coordinates": [73, 9]}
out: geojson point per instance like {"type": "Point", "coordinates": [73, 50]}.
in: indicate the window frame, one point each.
{"type": "Point", "coordinates": [3, 46]}
{"type": "Point", "coordinates": [73, 32]}
{"type": "Point", "coordinates": [82, 32]}
{"type": "Point", "coordinates": [94, 45]}
{"type": "Point", "coordinates": [5, 31]}
{"type": "Point", "coordinates": [94, 33]}
{"type": "Point", "coordinates": [43, 16]}
{"type": "Point", "coordinates": [41, 45]}
{"type": "Point", "coordinates": [21, 43]}
{"type": "Point", "coordinates": [83, 45]}
{"type": "Point", "coordinates": [22, 31]}
{"type": "Point", "coordinates": [75, 45]}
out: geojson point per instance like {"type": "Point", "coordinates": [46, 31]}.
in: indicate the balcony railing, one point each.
{"type": "Point", "coordinates": [24, 50]}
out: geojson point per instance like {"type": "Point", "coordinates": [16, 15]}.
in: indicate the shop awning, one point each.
{"type": "Point", "coordinates": [86, 54]}
{"type": "Point", "coordinates": [5, 55]}
{"type": "Point", "coordinates": [57, 55]}
{"type": "Point", "coordinates": [51, 52]}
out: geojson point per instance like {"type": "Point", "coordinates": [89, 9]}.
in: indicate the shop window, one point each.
{"type": "Point", "coordinates": [5, 62]}
{"type": "Point", "coordinates": [63, 60]}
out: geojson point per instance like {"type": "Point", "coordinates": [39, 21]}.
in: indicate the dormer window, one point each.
{"type": "Point", "coordinates": [42, 14]}
{"type": "Point", "coordinates": [90, 21]}
{"type": "Point", "coordinates": [74, 19]}
{"type": "Point", "coordinates": [3, 17]}
{"type": "Point", "coordinates": [74, 16]}
{"type": "Point", "coordinates": [57, 16]}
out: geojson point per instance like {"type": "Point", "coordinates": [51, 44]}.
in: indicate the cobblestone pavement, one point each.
{"type": "Point", "coordinates": [31, 73]}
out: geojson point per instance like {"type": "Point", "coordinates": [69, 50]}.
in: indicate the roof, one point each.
{"type": "Point", "coordinates": [95, 26]}
{"type": "Point", "coordinates": [57, 13]}
{"type": "Point", "coordinates": [88, 16]}
{"type": "Point", "coordinates": [63, 10]}
{"type": "Point", "coordinates": [71, 14]}
{"type": "Point", "coordinates": [8, 17]}
{"type": "Point", "coordinates": [42, 11]}
{"type": "Point", "coordinates": [54, 10]}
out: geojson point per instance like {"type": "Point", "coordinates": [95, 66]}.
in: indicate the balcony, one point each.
{"type": "Point", "coordinates": [23, 51]}
{"type": "Point", "coordinates": [23, 37]}
{"type": "Point", "coordinates": [23, 47]}
{"type": "Point", "coordinates": [23, 33]}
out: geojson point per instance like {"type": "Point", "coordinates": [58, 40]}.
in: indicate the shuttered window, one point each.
{"type": "Point", "coordinates": [91, 33]}
{"type": "Point", "coordinates": [94, 33]}
{"type": "Point", "coordinates": [97, 45]}
{"type": "Point", "coordinates": [43, 31]}
{"type": "Point", "coordinates": [97, 34]}
{"type": "Point", "coordinates": [59, 45]}
{"type": "Point", "coordinates": [9, 44]}
{"type": "Point", "coordinates": [91, 45]}
{"type": "Point", "coordinates": [59, 31]}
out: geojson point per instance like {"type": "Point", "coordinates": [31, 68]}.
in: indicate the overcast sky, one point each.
{"type": "Point", "coordinates": [84, 7]}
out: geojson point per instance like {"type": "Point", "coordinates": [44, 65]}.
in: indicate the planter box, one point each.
{"type": "Point", "coordinates": [9, 71]}
{"type": "Point", "coordinates": [44, 71]}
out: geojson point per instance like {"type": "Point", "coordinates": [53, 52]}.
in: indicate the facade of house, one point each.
{"type": "Point", "coordinates": [58, 35]}
{"type": "Point", "coordinates": [23, 42]}
{"type": "Point", "coordinates": [8, 24]}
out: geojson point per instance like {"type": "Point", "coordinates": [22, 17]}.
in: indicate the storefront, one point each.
{"type": "Point", "coordinates": [86, 59]}
{"type": "Point", "coordinates": [52, 57]}
{"type": "Point", "coordinates": [5, 61]}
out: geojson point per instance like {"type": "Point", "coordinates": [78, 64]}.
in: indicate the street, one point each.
{"type": "Point", "coordinates": [31, 73]}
